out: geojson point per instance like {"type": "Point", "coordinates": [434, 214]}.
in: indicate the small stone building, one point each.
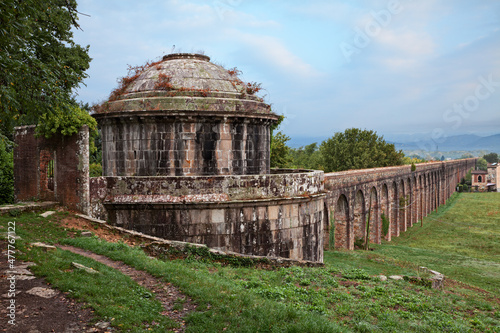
{"type": "Point", "coordinates": [479, 180]}
{"type": "Point", "coordinates": [186, 156]}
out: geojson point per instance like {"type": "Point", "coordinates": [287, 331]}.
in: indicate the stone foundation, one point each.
{"type": "Point", "coordinates": [288, 228]}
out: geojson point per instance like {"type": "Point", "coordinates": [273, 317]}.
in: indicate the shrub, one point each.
{"type": "Point", "coordinates": [95, 170]}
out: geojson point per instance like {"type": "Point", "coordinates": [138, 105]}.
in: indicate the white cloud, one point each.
{"type": "Point", "coordinates": [409, 43]}
{"type": "Point", "coordinates": [274, 54]}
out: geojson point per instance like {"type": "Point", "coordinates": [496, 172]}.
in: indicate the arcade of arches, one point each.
{"type": "Point", "coordinates": [391, 199]}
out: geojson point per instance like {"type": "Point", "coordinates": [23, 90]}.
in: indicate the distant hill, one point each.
{"type": "Point", "coordinates": [466, 142]}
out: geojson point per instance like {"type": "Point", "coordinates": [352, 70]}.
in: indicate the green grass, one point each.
{"type": "Point", "coordinates": [461, 240]}
{"type": "Point", "coordinates": [344, 296]}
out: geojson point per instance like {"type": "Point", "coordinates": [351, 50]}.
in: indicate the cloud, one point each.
{"type": "Point", "coordinates": [274, 54]}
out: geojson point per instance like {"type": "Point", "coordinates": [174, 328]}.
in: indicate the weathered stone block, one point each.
{"type": "Point", "coordinates": [217, 216]}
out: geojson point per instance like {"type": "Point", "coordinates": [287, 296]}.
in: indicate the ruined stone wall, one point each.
{"type": "Point", "coordinates": [198, 144]}
{"type": "Point", "coordinates": [26, 164]}
{"type": "Point", "coordinates": [403, 196]}
{"type": "Point", "coordinates": [54, 169]}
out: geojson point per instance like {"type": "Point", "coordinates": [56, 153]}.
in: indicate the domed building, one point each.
{"type": "Point", "coordinates": [185, 116]}
{"type": "Point", "coordinates": [186, 156]}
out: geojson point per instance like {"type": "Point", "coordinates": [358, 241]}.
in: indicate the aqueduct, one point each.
{"type": "Point", "coordinates": [399, 194]}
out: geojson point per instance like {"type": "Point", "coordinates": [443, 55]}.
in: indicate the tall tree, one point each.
{"type": "Point", "coordinates": [482, 164]}
{"type": "Point", "coordinates": [491, 157]}
{"type": "Point", "coordinates": [307, 157]}
{"type": "Point", "coordinates": [358, 149]}
{"type": "Point", "coordinates": [40, 64]}
{"type": "Point", "coordinates": [280, 152]}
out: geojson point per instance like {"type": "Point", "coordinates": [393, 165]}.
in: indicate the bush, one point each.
{"type": "Point", "coordinates": [95, 170]}
{"type": "Point", "coordinates": [6, 171]}
{"type": "Point", "coordinates": [466, 188]}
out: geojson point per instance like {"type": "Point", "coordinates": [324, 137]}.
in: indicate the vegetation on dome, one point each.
{"type": "Point", "coordinates": [164, 83]}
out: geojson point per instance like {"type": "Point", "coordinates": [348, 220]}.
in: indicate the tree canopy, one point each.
{"type": "Point", "coordinates": [491, 157]}
{"type": "Point", "coordinates": [280, 152]}
{"type": "Point", "coordinates": [482, 164]}
{"type": "Point", "coordinates": [358, 149]}
{"type": "Point", "coordinates": [40, 64]}
{"type": "Point", "coordinates": [308, 157]}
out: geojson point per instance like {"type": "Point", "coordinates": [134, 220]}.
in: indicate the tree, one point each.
{"type": "Point", "coordinates": [308, 157]}
{"type": "Point", "coordinates": [481, 164]}
{"type": "Point", "coordinates": [491, 157]}
{"type": "Point", "coordinates": [358, 149]}
{"type": "Point", "coordinates": [40, 64]}
{"type": "Point", "coordinates": [280, 152]}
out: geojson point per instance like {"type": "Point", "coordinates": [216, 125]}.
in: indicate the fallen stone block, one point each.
{"type": "Point", "coordinates": [396, 277]}
{"type": "Point", "coordinates": [42, 292]}
{"type": "Point", "coordinates": [85, 268]}
{"type": "Point", "coordinates": [47, 213]}
{"type": "Point", "coordinates": [43, 246]}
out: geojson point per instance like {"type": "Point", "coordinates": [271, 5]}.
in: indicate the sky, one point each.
{"type": "Point", "coordinates": [407, 69]}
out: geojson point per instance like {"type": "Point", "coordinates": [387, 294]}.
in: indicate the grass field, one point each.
{"type": "Point", "coordinates": [461, 240]}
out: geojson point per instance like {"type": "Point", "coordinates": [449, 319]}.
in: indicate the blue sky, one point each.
{"type": "Point", "coordinates": [428, 68]}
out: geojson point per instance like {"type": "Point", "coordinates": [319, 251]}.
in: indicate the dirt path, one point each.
{"type": "Point", "coordinates": [176, 304]}
{"type": "Point", "coordinates": [37, 307]}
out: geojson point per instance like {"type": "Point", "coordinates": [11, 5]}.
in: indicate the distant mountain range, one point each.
{"type": "Point", "coordinates": [467, 142]}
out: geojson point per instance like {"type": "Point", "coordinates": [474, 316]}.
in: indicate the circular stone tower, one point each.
{"type": "Point", "coordinates": [185, 116]}
{"type": "Point", "coordinates": [186, 156]}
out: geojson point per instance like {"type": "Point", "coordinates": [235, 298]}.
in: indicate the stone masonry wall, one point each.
{"type": "Point", "coordinates": [288, 228]}
{"type": "Point", "coordinates": [402, 196]}
{"type": "Point", "coordinates": [184, 146]}
{"type": "Point", "coordinates": [54, 169]}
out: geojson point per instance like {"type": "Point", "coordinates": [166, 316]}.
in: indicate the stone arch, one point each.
{"type": "Point", "coordinates": [439, 188]}
{"type": "Point", "coordinates": [418, 187]}
{"type": "Point", "coordinates": [435, 191]}
{"type": "Point", "coordinates": [326, 225]}
{"type": "Point", "coordinates": [410, 205]}
{"type": "Point", "coordinates": [416, 200]}
{"type": "Point", "coordinates": [359, 220]}
{"type": "Point", "coordinates": [374, 216]}
{"type": "Point", "coordinates": [47, 174]}
{"type": "Point", "coordinates": [394, 226]}
{"type": "Point", "coordinates": [386, 211]}
{"type": "Point", "coordinates": [429, 193]}
{"type": "Point", "coordinates": [424, 195]}
{"type": "Point", "coordinates": [341, 220]}
{"type": "Point", "coordinates": [402, 202]}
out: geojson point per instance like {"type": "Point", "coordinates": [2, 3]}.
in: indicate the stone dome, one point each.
{"type": "Point", "coordinates": [187, 82]}
{"type": "Point", "coordinates": [189, 71]}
